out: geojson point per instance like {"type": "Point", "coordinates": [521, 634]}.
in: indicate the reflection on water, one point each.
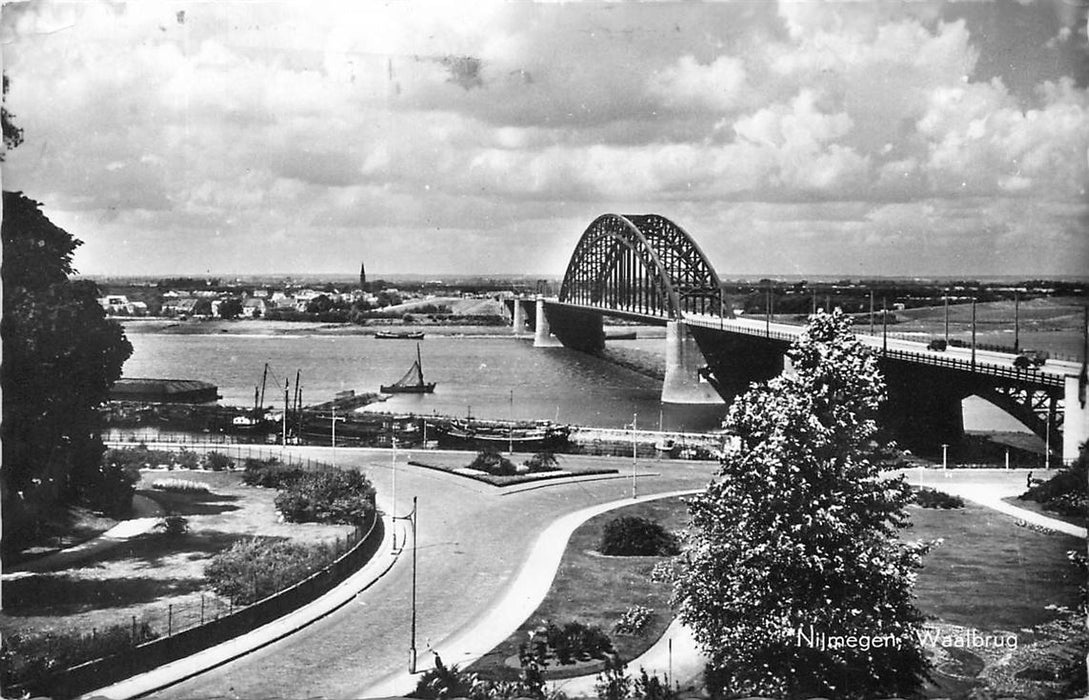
{"type": "Point", "coordinates": [489, 377]}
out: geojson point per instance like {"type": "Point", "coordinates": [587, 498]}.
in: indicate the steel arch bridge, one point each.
{"type": "Point", "coordinates": [643, 264]}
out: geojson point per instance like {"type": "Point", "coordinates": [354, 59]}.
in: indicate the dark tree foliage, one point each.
{"type": "Point", "coordinates": [798, 534]}
{"type": "Point", "coordinates": [230, 308]}
{"type": "Point", "coordinates": [1068, 491]}
{"type": "Point", "coordinates": [632, 536]}
{"type": "Point", "coordinates": [13, 135]}
{"type": "Point", "coordinates": [60, 357]}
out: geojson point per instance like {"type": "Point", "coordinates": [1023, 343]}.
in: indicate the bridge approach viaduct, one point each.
{"type": "Point", "coordinates": [647, 269]}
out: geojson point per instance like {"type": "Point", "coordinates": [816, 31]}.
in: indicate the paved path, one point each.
{"type": "Point", "coordinates": [523, 597]}
{"type": "Point", "coordinates": [474, 542]}
{"type": "Point", "coordinates": [676, 653]}
{"type": "Point", "coordinates": [121, 532]}
{"type": "Point", "coordinates": [988, 487]}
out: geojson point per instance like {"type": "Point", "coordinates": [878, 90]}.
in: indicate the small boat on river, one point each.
{"type": "Point", "coordinates": [399, 335]}
{"type": "Point", "coordinates": [413, 381]}
{"type": "Point", "coordinates": [542, 435]}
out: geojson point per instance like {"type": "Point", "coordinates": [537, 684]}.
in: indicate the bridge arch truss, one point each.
{"type": "Point", "coordinates": [643, 264]}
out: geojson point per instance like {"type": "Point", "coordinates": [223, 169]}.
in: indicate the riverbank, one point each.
{"type": "Point", "coordinates": [263, 327]}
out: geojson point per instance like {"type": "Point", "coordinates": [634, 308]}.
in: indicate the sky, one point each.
{"type": "Point", "coordinates": [788, 138]}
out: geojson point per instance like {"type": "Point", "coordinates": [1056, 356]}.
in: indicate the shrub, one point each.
{"type": "Point", "coordinates": [173, 526]}
{"type": "Point", "coordinates": [613, 683]}
{"type": "Point", "coordinates": [576, 641]}
{"type": "Point", "coordinates": [932, 498]}
{"type": "Point", "coordinates": [634, 620]}
{"type": "Point", "coordinates": [1065, 492]}
{"type": "Point", "coordinates": [490, 461]}
{"type": "Point", "coordinates": [269, 473]}
{"type": "Point", "coordinates": [29, 658]}
{"type": "Point", "coordinates": [218, 462]}
{"type": "Point", "coordinates": [180, 486]}
{"type": "Point", "coordinates": [328, 496]}
{"type": "Point", "coordinates": [632, 536]}
{"type": "Point", "coordinates": [186, 459]}
{"type": "Point", "coordinates": [663, 572]}
{"type": "Point", "coordinates": [542, 462]}
{"type": "Point", "coordinates": [256, 568]}
{"type": "Point", "coordinates": [110, 488]}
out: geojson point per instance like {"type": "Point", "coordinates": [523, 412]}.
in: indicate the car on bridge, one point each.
{"type": "Point", "coordinates": [1030, 359]}
{"type": "Point", "coordinates": [938, 344]}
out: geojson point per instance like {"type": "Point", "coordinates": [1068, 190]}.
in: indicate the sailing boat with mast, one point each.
{"type": "Point", "coordinates": [413, 381]}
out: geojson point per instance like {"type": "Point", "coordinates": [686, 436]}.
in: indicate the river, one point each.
{"type": "Point", "coordinates": [493, 376]}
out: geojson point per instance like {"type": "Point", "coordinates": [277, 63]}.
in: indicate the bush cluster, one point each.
{"type": "Point", "coordinates": [932, 498]}
{"type": "Point", "coordinates": [218, 462]}
{"type": "Point", "coordinates": [142, 457]}
{"type": "Point", "coordinates": [490, 461]}
{"type": "Point", "coordinates": [663, 572]}
{"type": "Point", "coordinates": [181, 486]}
{"type": "Point", "coordinates": [256, 568]}
{"type": "Point", "coordinates": [110, 488]}
{"type": "Point", "coordinates": [269, 473]}
{"type": "Point", "coordinates": [327, 496]}
{"type": "Point", "coordinates": [576, 641]}
{"type": "Point", "coordinates": [634, 620]}
{"type": "Point", "coordinates": [173, 526]}
{"type": "Point", "coordinates": [29, 659]}
{"type": "Point", "coordinates": [632, 536]}
{"type": "Point", "coordinates": [1065, 492]}
{"type": "Point", "coordinates": [542, 462]}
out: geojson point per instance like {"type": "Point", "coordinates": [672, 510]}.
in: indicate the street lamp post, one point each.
{"type": "Point", "coordinates": [412, 518]}
{"type": "Point", "coordinates": [393, 474]}
{"type": "Point", "coordinates": [634, 418]}
{"type": "Point", "coordinates": [333, 435]}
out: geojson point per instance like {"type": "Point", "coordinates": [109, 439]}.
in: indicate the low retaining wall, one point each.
{"type": "Point", "coordinates": [144, 657]}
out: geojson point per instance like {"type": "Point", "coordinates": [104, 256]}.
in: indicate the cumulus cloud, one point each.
{"type": "Point", "coordinates": [305, 123]}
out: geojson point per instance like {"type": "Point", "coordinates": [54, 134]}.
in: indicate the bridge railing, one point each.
{"type": "Point", "coordinates": [1031, 376]}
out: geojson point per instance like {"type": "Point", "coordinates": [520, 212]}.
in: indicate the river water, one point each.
{"type": "Point", "coordinates": [497, 376]}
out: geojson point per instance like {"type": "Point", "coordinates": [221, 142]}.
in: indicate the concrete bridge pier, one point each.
{"type": "Point", "coordinates": [519, 317]}
{"type": "Point", "coordinates": [682, 383]}
{"type": "Point", "coordinates": [923, 409]}
{"type": "Point", "coordinates": [542, 331]}
{"type": "Point", "coordinates": [578, 329]}
{"type": "Point", "coordinates": [1075, 418]}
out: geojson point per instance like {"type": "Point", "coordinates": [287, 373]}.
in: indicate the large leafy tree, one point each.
{"type": "Point", "coordinates": [798, 533]}
{"type": "Point", "coordinates": [60, 357]}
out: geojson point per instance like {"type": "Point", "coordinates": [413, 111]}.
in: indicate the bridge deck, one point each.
{"type": "Point", "coordinates": [988, 362]}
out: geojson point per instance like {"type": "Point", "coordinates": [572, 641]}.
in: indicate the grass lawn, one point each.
{"type": "Point", "coordinates": [143, 576]}
{"type": "Point", "coordinates": [990, 574]}
{"type": "Point", "coordinates": [1037, 507]}
{"type": "Point", "coordinates": [596, 590]}
{"type": "Point", "coordinates": [452, 462]}
{"type": "Point", "coordinates": [62, 529]}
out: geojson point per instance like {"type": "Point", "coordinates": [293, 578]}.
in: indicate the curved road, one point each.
{"type": "Point", "coordinates": [473, 541]}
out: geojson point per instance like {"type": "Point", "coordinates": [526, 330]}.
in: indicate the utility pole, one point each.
{"type": "Point", "coordinates": [871, 312]}
{"type": "Point", "coordinates": [884, 325]}
{"type": "Point", "coordinates": [412, 518]}
{"type": "Point", "coordinates": [283, 444]}
{"type": "Point", "coordinates": [1016, 321]}
{"type": "Point", "coordinates": [634, 417]}
{"type": "Point", "coordinates": [333, 436]}
{"type": "Point", "coordinates": [767, 311]}
{"type": "Point", "coordinates": [393, 490]}
{"type": "Point", "coordinates": [973, 334]}
{"type": "Point", "coordinates": [947, 316]}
